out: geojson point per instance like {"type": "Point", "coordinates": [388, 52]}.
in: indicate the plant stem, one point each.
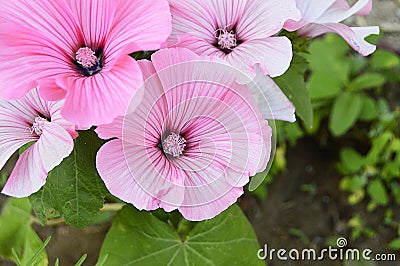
{"type": "Point", "coordinates": [108, 207]}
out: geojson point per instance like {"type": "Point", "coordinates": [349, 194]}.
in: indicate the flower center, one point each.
{"type": "Point", "coordinates": [89, 62]}
{"type": "Point", "coordinates": [174, 145]}
{"type": "Point", "coordinates": [226, 39]}
{"type": "Point", "coordinates": [38, 126]}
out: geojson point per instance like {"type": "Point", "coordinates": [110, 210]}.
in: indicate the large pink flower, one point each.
{"type": "Point", "coordinates": [237, 30]}
{"type": "Point", "coordinates": [32, 119]}
{"type": "Point", "coordinates": [323, 16]}
{"type": "Point", "coordinates": [191, 144]}
{"type": "Point", "coordinates": [78, 50]}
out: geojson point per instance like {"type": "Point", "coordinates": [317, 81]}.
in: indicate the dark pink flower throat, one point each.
{"type": "Point", "coordinates": [88, 61]}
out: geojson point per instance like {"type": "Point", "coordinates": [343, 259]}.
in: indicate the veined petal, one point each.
{"type": "Point", "coordinates": [194, 17]}
{"type": "Point", "coordinates": [96, 26]}
{"type": "Point", "coordinates": [273, 55]}
{"type": "Point", "coordinates": [27, 57]}
{"type": "Point", "coordinates": [51, 19]}
{"type": "Point", "coordinates": [264, 18]}
{"type": "Point", "coordinates": [117, 176]}
{"type": "Point", "coordinates": [354, 36]}
{"type": "Point", "coordinates": [210, 209]}
{"type": "Point", "coordinates": [270, 99]}
{"type": "Point", "coordinates": [100, 98]}
{"type": "Point", "coordinates": [310, 11]}
{"type": "Point", "coordinates": [31, 170]}
{"type": "Point", "coordinates": [340, 11]}
{"type": "Point", "coordinates": [131, 31]}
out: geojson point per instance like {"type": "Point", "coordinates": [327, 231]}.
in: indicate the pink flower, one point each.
{"type": "Point", "coordinates": [191, 144]}
{"type": "Point", "coordinates": [319, 17]}
{"type": "Point", "coordinates": [240, 31]}
{"type": "Point", "coordinates": [32, 119]}
{"type": "Point", "coordinates": [78, 50]}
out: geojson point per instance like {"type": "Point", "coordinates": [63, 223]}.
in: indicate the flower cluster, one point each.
{"type": "Point", "coordinates": [187, 129]}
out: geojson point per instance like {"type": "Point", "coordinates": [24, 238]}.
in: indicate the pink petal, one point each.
{"type": "Point", "coordinates": [118, 178]}
{"type": "Point", "coordinates": [100, 98]}
{"type": "Point", "coordinates": [131, 31]}
{"type": "Point", "coordinates": [112, 130]}
{"type": "Point", "coordinates": [52, 20]}
{"type": "Point", "coordinates": [31, 170]}
{"type": "Point", "coordinates": [354, 36]}
{"type": "Point", "coordinates": [27, 53]}
{"type": "Point", "coordinates": [264, 18]}
{"type": "Point", "coordinates": [212, 208]}
{"type": "Point", "coordinates": [95, 18]}
{"type": "Point", "coordinates": [147, 68]}
{"type": "Point", "coordinates": [50, 90]}
{"type": "Point", "coordinates": [340, 11]}
{"type": "Point", "coordinates": [271, 101]}
{"type": "Point", "coordinates": [273, 55]}
{"type": "Point", "coordinates": [195, 17]}
{"type": "Point", "coordinates": [310, 11]}
{"type": "Point", "coordinates": [137, 178]}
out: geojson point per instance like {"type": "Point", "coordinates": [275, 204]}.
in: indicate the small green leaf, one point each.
{"type": "Point", "coordinates": [369, 110]}
{"type": "Point", "coordinates": [35, 260]}
{"type": "Point", "coordinates": [394, 244]}
{"type": "Point", "coordinates": [382, 59]}
{"type": "Point", "coordinates": [378, 146]}
{"type": "Point", "coordinates": [293, 85]}
{"type": "Point", "coordinates": [81, 260]}
{"type": "Point", "coordinates": [139, 238]}
{"type": "Point", "coordinates": [332, 63]}
{"type": "Point", "coordinates": [351, 159]}
{"type": "Point", "coordinates": [367, 81]}
{"type": "Point", "coordinates": [25, 147]}
{"type": "Point", "coordinates": [346, 110]}
{"type": "Point", "coordinates": [74, 188]}
{"type": "Point", "coordinates": [377, 192]}
{"type": "Point", "coordinates": [18, 240]}
{"type": "Point", "coordinates": [323, 86]}
{"type": "Point", "coordinates": [353, 184]}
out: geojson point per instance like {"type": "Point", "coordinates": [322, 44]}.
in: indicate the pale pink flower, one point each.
{"type": "Point", "coordinates": [319, 17]}
{"type": "Point", "coordinates": [191, 144]}
{"type": "Point", "coordinates": [78, 50]}
{"type": "Point", "coordinates": [239, 31]}
{"type": "Point", "coordinates": [32, 119]}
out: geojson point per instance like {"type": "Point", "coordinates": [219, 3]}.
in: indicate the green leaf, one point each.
{"type": "Point", "coordinates": [378, 146]}
{"type": "Point", "coordinates": [394, 244]}
{"type": "Point", "coordinates": [377, 192]}
{"type": "Point", "coordinates": [73, 189]}
{"type": "Point", "coordinates": [351, 159]}
{"type": "Point", "coordinates": [25, 147]}
{"type": "Point", "coordinates": [353, 184]}
{"type": "Point", "coordinates": [293, 85]}
{"type": "Point", "coordinates": [16, 234]}
{"type": "Point", "coordinates": [81, 260]}
{"type": "Point", "coordinates": [382, 59]}
{"type": "Point", "coordinates": [323, 86]}
{"type": "Point", "coordinates": [139, 238]}
{"type": "Point", "coordinates": [369, 110]}
{"type": "Point", "coordinates": [346, 110]}
{"type": "Point", "coordinates": [332, 63]}
{"type": "Point", "coordinates": [367, 81]}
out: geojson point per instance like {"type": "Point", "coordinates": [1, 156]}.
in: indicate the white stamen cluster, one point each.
{"type": "Point", "coordinates": [174, 145]}
{"type": "Point", "coordinates": [226, 39]}
{"type": "Point", "coordinates": [86, 57]}
{"type": "Point", "coordinates": [38, 126]}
